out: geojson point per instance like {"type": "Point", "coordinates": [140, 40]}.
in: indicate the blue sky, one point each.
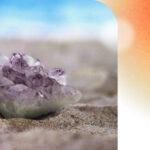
{"type": "Point", "coordinates": [53, 17]}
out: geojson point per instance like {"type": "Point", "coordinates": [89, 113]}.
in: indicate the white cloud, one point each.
{"type": "Point", "coordinates": [106, 32]}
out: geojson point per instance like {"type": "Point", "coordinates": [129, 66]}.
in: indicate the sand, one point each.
{"type": "Point", "coordinates": [90, 124]}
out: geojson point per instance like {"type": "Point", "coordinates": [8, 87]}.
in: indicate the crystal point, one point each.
{"type": "Point", "coordinates": [59, 75]}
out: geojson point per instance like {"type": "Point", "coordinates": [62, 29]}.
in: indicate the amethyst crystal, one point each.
{"type": "Point", "coordinates": [29, 90]}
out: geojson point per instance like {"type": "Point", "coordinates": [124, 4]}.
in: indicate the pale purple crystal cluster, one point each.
{"type": "Point", "coordinates": [28, 89]}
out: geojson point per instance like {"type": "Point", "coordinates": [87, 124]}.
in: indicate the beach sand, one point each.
{"type": "Point", "coordinates": [91, 123]}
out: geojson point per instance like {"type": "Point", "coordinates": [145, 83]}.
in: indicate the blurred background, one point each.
{"type": "Point", "coordinates": [77, 35]}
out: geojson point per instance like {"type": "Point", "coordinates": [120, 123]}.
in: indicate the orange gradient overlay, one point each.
{"type": "Point", "coordinates": [133, 17]}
